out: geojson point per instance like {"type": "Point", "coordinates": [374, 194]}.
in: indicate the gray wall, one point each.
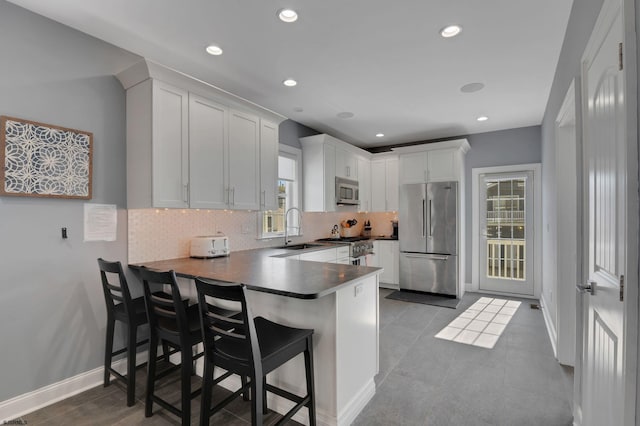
{"type": "Point", "coordinates": [584, 14]}
{"type": "Point", "coordinates": [52, 309]}
{"type": "Point", "coordinates": [501, 148]}
{"type": "Point", "coordinates": [290, 131]}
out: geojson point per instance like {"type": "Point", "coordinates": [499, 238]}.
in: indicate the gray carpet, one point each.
{"type": "Point", "coordinates": [425, 299]}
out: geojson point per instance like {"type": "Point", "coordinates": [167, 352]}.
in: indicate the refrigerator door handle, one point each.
{"type": "Point", "coordinates": [425, 256]}
{"type": "Point", "coordinates": [424, 218]}
{"type": "Point", "coordinates": [430, 222]}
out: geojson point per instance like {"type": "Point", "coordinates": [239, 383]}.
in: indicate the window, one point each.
{"type": "Point", "coordinates": [273, 221]}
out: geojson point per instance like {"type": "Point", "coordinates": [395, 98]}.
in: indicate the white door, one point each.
{"type": "Point", "coordinates": [506, 233]}
{"type": "Point", "coordinates": [608, 354]}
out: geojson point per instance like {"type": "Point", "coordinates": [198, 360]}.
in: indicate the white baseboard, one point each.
{"type": "Point", "coordinates": [390, 286]}
{"type": "Point", "coordinates": [357, 404]}
{"type": "Point", "coordinates": [29, 402]}
{"type": "Point", "coordinates": [551, 330]}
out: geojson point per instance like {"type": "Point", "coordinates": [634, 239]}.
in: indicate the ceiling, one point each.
{"type": "Point", "coordinates": [383, 61]}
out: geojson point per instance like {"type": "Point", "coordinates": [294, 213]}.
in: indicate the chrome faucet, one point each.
{"type": "Point", "coordinates": [286, 227]}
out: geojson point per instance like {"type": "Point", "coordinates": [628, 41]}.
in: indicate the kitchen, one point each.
{"type": "Point", "coordinates": [62, 76]}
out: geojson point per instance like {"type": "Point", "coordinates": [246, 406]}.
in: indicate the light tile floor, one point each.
{"type": "Point", "coordinates": [424, 380]}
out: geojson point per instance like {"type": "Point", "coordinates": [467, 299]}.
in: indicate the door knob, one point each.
{"type": "Point", "coordinates": [588, 288]}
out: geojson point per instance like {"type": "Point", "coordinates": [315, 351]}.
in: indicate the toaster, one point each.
{"type": "Point", "coordinates": [210, 246]}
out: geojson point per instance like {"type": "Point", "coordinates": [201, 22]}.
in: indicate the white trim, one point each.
{"type": "Point", "coordinates": [567, 238]}
{"type": "Point", "coordinates": [553, 336]}
{"type": "Point", "coordinates": [536, 168]}
{"type": "Point", "coordinates": [29, 402]}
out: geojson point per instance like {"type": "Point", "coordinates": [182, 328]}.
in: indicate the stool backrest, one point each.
{"type": "Point", "coordinates": [166, 312]}
{"type": "Point", "coordinates": [114, 286]}
{"type": "Point", "coordinates": [228, 340]}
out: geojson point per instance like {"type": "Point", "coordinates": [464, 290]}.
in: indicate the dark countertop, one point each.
{"type": "Point", "coordinates": [383, 238]}
{"type": "Point", "coordinates": [261, 271]}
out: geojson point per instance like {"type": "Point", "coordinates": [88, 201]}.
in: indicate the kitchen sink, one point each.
{"type": "Point", "coordinates": [300, 246]}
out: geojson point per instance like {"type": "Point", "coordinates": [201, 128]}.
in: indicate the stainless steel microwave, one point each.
{"type": "Point", "coordinates": [347, 192]}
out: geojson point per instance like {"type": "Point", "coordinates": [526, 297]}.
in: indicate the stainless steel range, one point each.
{"type": "Point", "coordinates": [358, 247]}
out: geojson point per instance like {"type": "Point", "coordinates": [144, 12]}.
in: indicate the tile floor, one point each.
{"type": "Point", "coordinates": [423, 380]}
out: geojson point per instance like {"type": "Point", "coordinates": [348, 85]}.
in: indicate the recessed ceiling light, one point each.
{"type": "Point", "coordinates": [288, 15]}
{"type": "Point", "coordinates": [289, 82]}
{"type": "Point", "coordinates": [471, 87]}
{"type": "Point", "coordinates": [298, 109]}
{"type": "Point", "coordinates": [212, 49]}
{"type": "Point", "coordinates": [450, 31]}
{"type": "Point", "coordinates": [379, 135]}
{"type": "Point", "coordinates": [345, 114]}
{"type": "Point", "coordinates": [482, 118]}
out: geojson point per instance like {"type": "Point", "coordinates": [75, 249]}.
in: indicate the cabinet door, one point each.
{"type": "Point", "coordinates": [244, 161]}
{"type": "Point", "coordinates": [328, 256]}
{"type": "Point", "coordinates": [364, 184]}
{"type": "Point", "coordinates": [389, 259]}
{"type": "Point", "coordinates": [392, 186]}
{"type": "Point", "coordinates": [170, 149]}
{"type": "Point", "coordinates": [413, 168]}
{"type": "Point", "coordinates": [346, 164]}
{"type": "Point", "coordinates": [441, 165]}
{"type": "Point", "coordinates": [329, 178]}
{"type": "Point", "coordinates": [207, 141]}
{"type": "Point", "coordinates": [378, 186]}
{"type": "Point", "coordinates": [268, 165]}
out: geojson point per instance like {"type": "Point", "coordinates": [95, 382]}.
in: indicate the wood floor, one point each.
{"type": "Point", "coordinates": [422, 380]}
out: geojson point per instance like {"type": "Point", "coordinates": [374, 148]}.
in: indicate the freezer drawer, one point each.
{"type": "Point", "coordinates": [433, 273]}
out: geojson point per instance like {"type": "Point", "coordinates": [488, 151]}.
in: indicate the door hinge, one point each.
{"type": "Point", "coordinates": [622, 288]}
{"type": "Point", "coordinates": [620, 57]}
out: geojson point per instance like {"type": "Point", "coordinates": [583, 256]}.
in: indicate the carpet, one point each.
{"type": "Point", "coordinates": [425, 298]}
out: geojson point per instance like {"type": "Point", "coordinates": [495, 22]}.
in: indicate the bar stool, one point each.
{"type": "Point", "coordinates": [251, 347]}
{"type": "Point", "coordinates": [173, 321]}
{"type": "Point", "coordinates": [121, 307]}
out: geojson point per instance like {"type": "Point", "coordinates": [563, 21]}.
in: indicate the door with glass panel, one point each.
{"type": "Point", "coordinates": [506, 233]}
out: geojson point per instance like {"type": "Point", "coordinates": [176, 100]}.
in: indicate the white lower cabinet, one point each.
{"type": "Point", "coordinates": [387, 256]}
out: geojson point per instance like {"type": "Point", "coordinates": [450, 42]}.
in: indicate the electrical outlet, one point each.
{"type": "Point", "coordinates": [357, 291]}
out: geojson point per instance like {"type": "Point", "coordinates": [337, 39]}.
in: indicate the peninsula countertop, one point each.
{"type": "Point", "coordinates": [259, 270]}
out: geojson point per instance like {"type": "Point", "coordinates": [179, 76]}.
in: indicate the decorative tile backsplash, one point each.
{"type": "Point", "coordinates": [158, 234]}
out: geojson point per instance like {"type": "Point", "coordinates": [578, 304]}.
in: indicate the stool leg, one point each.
{"type": "Point", "coordinates": [165, 350]}
{"type": "Point", "coordinates": [185, 381]}
{"type": "Point", "coordinates": [205, 397]}
{"type": "Point", "coordinates": [131, 365]}
{"type": "Point", "coordinates": [151, 374]}
{"type": "Point", "coordinates": [256, 401]}
{"type": "Point", "coordinates": [108, 350]}
{"type": "Point", "coordinates": [245, 394]}
{"type": "Point", "coordinates": [264, 395]}
{"type": "Point", "coordinates": [308, 365]}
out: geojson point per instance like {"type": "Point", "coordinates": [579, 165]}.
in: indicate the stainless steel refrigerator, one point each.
{"type": "Point", "coordinates": [429, 237]}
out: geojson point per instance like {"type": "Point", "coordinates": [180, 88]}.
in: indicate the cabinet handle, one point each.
{"type": "Point", "coordinates": [233, 193]}
{"type": "Point", "coordinates": [348, 171]}
{"type": "Point", "coordinates": [185, 192]}
{"type": "Point", "coordinates": [263, 202]}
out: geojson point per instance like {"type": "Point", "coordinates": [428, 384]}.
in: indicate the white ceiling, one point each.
{"type": "Point", "coordinates": [382, 60]}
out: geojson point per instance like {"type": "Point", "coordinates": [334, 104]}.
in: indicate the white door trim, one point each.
{"type": "Point", "coordinates": [536, 168]}
{"type": "Point", "coordinates": [568, 239]}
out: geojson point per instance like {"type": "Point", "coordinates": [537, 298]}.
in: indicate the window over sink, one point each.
{"type": "Point", "coordinates": [289, 177]}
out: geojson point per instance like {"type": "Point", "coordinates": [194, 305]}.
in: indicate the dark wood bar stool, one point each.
{"type": "Point", "coordinates": [252, 348]}
{"type": "Point", "coordinates": [121, 307]}
{"type": "Point", "coordinates": [173, 321]}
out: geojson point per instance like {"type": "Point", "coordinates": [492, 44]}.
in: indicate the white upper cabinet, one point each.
{"type": "Point", "coordinates": [190, 144]}
{"type": "Point", "coordinates": [207, 143]}
{"type": "Point", "coordinates": [170, 163]}
{"type": "Point", "coordinates": [323, 159]}
{"type": "Point", "coordinates": [268, 165]}
{"type": "Point", "coordinates": [364, 184]}
{"type": "Point", "coordinates": [440, 161]}
{"type": "Point", "coordinates": [244, 161]}
{"type": "Point", "coordinates": [346, 164]}
{"type": "Point", "coordinates": [384, 184]}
